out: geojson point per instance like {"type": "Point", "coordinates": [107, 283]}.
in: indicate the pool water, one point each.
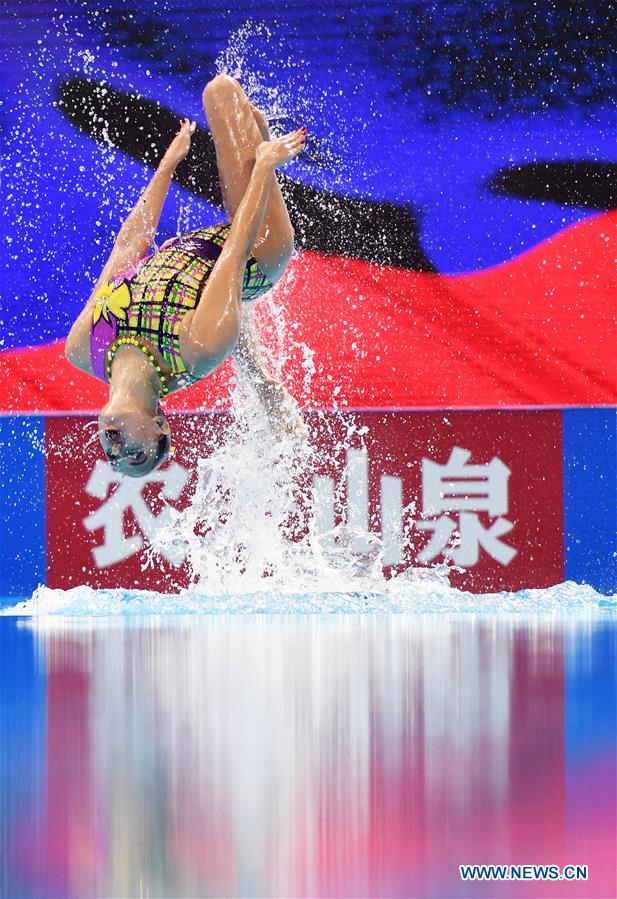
{"type": "Point", "coordinates": [306, 755]}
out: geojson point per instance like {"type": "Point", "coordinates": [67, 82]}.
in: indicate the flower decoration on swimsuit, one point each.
{"type": "Point", "coordinates": [114, 300]}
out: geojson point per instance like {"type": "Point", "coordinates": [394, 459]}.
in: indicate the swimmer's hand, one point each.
{"type": "Point", "coordinates": [283, 415]}
{"type": "Point", "coordinates": [275, 153]}
{"type": "Point", "coordinates": [181, 144]}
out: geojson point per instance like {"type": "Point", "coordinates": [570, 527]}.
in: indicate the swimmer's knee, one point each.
{"type": "Point", "coordinates": [285, 253]}
{"type": "Point", "coordinates": [274, 256]}
{"type": "Point", "coordinates": [220, 88]}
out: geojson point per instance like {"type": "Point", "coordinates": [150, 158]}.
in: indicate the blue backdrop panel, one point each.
{"type": "Point", "coordinates": [590, 486]}
{"type": "Point", "coordinates": [23, 733]}
{"type": "Point", "coordinates": [22, 505]}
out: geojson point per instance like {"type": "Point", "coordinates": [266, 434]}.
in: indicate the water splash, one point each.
{"type": "Point", "coordinates": [249, 55]}
{"type": "Point", "coordinates": [251, 526]}
{"type": "Point", "coordinates": [420, 598]}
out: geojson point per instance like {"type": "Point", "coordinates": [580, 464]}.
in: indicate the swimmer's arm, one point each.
{"type": "Point", "coordinates": [132, 242]}
{"type": "Point", "coordinates": [131, 245]}
{"type": "Point", "coordinates": [137, 233]}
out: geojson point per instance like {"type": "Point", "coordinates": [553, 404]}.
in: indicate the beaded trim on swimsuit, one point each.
{"type": "Point", "coordinates": [134, 341]}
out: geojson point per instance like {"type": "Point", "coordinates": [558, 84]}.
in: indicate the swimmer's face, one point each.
{"type": "Point", "coordinates": [134, 443]}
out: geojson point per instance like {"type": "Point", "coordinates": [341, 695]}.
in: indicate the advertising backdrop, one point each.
{"type": "Point", "coordinates": [513, 499]}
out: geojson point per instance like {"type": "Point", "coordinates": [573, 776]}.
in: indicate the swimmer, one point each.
{"type": "Point", "coordinates": [156, 324]}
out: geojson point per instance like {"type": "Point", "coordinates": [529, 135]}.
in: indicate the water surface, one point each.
{"type": "Point", "coordinates": [316, 755]}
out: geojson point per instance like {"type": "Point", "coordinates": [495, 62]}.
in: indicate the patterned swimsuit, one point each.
{"type": "Point", "coordinates": [150, 300]}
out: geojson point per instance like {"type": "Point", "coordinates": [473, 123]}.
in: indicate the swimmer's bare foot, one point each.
{"type": "Point", "coordinates": [262, 123]}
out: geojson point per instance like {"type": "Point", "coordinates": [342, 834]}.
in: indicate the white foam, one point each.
{"type": "Point", "coordinates": [566, 598]}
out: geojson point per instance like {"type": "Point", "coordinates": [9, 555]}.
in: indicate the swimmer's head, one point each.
{"type": "Point", "coordinates": [135, 443]}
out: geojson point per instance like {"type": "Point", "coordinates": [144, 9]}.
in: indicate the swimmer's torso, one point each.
{"type": "Point", "coordinates": [151, 300]}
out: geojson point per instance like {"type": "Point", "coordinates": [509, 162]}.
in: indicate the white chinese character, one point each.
{"type": "Point", "coordinates": [457, 487]}
{"type": "Point", "coordinates": [128, 495]}
{"type": "Point", "coordinates": [357, 525]}
{"type": "Point", "coordinates": [467, 490]}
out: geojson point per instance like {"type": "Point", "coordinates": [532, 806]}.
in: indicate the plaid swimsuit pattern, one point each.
{"type": "Point", "coordinates": [150, 300]}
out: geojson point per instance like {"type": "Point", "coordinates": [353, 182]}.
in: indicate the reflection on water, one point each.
{"type": "Point", "coordinates": [291, 756]}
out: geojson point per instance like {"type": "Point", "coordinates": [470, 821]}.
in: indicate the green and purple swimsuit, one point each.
{"type": "Point", "coordinates": [150, 300]}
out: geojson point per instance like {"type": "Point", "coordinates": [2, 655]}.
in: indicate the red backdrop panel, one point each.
{"type": "Point", "coordinates": [528, 523]}
{"type": "Point", "coordinates": [531, 332]}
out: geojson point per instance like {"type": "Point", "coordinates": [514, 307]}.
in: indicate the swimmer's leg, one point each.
{"type": "Point", "coordinates": [237, 132]}
{"type": "Point", "coordinates": [262, 122]}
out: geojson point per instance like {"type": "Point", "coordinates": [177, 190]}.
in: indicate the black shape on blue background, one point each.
{"type": "Point", "coordinates": [379, 232]}
{"type": "Point", "coordinates": [591, 185]}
